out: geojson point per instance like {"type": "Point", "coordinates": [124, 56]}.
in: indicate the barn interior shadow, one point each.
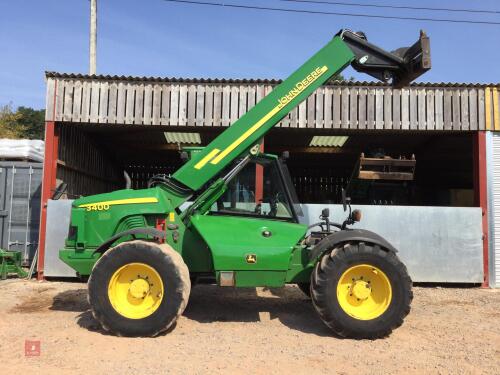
{"type": "Point", "coordinates": [210, 303]}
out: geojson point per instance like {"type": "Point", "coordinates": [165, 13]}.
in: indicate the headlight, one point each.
{"type": "Point", "coordinates": [356, 215]}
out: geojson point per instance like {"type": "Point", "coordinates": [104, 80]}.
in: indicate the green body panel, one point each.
{"type": "Point", "coordinates": [300, 267]}
{"type": "Point", "coordinates": [192, 150]}
{"type": "Point", "coordinates": [198, 257]}
{"type": "Point", "coordinates": [254, 124]}
{"type": "Point", "coordinates": [82, 261]}
{"type": "Point", "coordinates": [232, 238]}
{"type": "Point", "coordinates": [97, 225]}
{"type": "Point", "coordinates": [273, 279]}
{"type": "Point", "coordinates": [190, 245]}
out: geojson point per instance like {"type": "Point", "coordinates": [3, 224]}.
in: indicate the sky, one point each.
{"type": "Point", "coordinates": [163, 39]}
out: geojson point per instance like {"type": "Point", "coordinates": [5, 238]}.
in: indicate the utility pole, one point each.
{"type": "Point", "coordinates": [93, 36]}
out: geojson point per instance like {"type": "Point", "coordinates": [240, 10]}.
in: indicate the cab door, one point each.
{"type": "Point", "coordinates": [252, 227]}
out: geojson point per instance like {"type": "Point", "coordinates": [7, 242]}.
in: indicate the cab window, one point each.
{"type": "Point", "coordinates": [257, 190]}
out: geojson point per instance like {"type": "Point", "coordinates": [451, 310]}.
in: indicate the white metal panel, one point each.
{"type": "Point", "coordinates": [437, 244]}
{"type": "Point", "coordinates": [494, 207]}
{"type": "Point", "coordinates": [58, 219]}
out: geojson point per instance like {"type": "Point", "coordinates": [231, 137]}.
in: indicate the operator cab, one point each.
{"type": "Point", "coordinates": [262, 187]}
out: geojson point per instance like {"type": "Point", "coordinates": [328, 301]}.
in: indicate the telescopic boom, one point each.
{"type": "Point", "coordinates": [399, 67]}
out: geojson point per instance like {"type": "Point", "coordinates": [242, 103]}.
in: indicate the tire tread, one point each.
{"type": "Point", "coordinates": [338, 257]}
{"type": "Point", "coordinates": [159, 250]}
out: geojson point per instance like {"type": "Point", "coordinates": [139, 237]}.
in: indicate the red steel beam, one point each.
{"type": "Point", "coordinates": [48, 186]}
{"type": "Point", "coordinates": [481, 194]}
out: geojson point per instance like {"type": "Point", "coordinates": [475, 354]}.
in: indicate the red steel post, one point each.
{"type": "Point", "coordinates": [48, 186]}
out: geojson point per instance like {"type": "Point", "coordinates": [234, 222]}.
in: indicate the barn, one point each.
{"type": "Point", "coordinates": [438, 202]}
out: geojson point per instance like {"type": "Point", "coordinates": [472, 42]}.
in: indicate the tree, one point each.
{"type": "Point", "coordinates": [8, 121]}
{"type": "Point", "coordinates": [32, 122]}
{"type": "Point", "coordinates": [23, 123]}
{"type": "Point", "coordinates": [340, 78]}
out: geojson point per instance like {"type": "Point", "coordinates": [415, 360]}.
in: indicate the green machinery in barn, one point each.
{"type": "Point", "coordinates": [10, 263]}
{"type": "Point", "coordinates": [143, 252]}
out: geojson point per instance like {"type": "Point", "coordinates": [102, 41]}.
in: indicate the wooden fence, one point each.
{"type": "Point", "coordinates": [115, 100]}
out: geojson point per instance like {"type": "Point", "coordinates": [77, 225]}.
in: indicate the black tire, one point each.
{"type": "Point", "coordinates": [305, 288]}
{"type": "Point", "coordinates": [172, 271]}
{"type": "Point", "coordinates": [325, 278]}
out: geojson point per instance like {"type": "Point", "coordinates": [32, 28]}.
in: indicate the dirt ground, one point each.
{"type": "Point", "coordinates": [251, 331]}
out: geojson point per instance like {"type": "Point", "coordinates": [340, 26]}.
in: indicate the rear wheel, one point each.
{"type": "Point", "coordinates": [361, 290]}
{"type": "Point", "coordinates": [139, 288]}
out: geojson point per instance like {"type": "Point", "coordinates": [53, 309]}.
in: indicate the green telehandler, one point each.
{"type": "Point", "coordinates": [143, 249]}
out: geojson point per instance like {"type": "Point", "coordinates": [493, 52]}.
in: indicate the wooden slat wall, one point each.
{"type": "Point", "coordinates": [217, 104]}
{"type": "Point", "coordinates": [492, 108]}
{"type": "Point", "coordinates": [84, 166]}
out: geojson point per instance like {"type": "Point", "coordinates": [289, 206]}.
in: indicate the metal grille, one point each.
{"type": "Point", "coordinates": [20, 188]}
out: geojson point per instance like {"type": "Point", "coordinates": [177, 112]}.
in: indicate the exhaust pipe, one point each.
{"type": "Point", "coordinates": [128, 181]}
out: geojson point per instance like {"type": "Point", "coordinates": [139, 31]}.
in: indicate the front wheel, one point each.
{"type": "Point", "coordinates": [361, 290]}
{"type": "Point", "coordinates": [139, 288]}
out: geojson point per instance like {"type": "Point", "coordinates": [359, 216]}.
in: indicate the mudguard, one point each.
{"type": "Point", "coordinates": [360, 235]}
{"type": "Point", "coordinates": [146, 231]}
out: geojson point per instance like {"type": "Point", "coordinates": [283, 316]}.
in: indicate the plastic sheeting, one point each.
{"type": "Point", "coordinates": [24, 149]}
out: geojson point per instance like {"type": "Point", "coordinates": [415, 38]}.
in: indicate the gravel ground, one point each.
{"type": "Point", "coordinates": [258, 331]}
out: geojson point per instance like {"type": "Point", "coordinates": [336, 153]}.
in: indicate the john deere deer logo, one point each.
{"type": "Point", "coordinates": [251, 258]}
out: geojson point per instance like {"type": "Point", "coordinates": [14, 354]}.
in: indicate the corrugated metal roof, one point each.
{"type": "Point", "coordinates": [183, 138]}
{"type": "Point", "coordinates": [328, 140]}
{"type": "Point", "coordinates": [246, 80]}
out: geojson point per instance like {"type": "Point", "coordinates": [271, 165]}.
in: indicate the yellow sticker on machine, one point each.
{"type": "Point", "coordinates": [104, 205]}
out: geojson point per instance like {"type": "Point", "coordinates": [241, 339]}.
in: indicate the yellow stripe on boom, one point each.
{"type": "Point", "coordinates": [207, 158]}
{"type": "Point", "coordinates": [122, 201]}
{"type": "Point", "coordinates": [245, 135]}
{"type": "Point", "coordinates": [257, 125]}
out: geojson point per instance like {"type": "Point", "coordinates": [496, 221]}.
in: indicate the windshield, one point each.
{"type": "Point", "coordinates": [257, 190]}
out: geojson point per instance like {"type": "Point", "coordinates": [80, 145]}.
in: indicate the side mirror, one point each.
{"type": "Point", "coordinates": [344, 200]}
{"type": "Point", "coordinates": [325, 213]}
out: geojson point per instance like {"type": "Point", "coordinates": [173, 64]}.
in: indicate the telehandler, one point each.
{"type": "Point", "coordinates": [143, 252]}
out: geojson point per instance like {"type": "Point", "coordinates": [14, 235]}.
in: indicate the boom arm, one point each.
{"type": "Point", "coordinates": [401, 66]}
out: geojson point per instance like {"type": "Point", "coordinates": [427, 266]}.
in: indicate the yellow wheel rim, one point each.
{"type": "Point", "coordinates": [364, 292]}
{"type": "Point", "coordinates": [135, 290]}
